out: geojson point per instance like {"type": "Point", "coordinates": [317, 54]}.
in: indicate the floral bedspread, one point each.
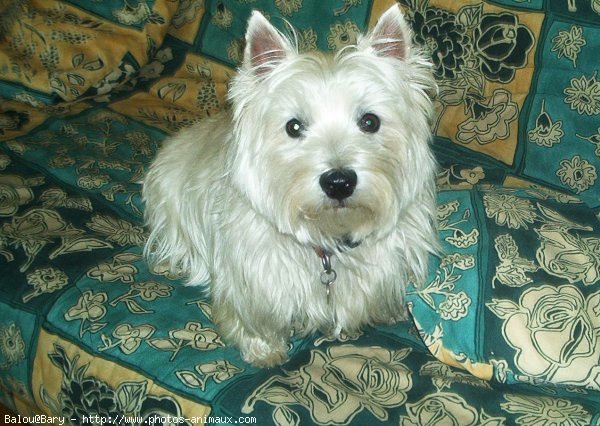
{"type": "Point", "coordinates": [507, 329]}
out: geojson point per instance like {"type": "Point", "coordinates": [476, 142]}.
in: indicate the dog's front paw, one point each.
{"type": "Point", "coordinates": [262, 354]}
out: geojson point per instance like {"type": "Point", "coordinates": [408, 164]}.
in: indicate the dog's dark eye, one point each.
{"type": "Point", "coordinates": [369, 123]}
{"type": "Point", "coordinates": [294, 128]}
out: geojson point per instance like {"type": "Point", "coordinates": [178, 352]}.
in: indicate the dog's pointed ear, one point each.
{"type": "Point", "coordinates": [265, 46]}
{"type": "Point", "coordinates": [392, 36]}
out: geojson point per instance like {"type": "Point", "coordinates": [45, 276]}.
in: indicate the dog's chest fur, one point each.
{"type": "Point", "coordinates": [240, 248]}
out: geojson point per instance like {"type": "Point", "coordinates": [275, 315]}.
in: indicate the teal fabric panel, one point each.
{"type": "Point", "coordinates": [528, 310]}
{"type": "Point", "coordinates": [563, 119]}
{"type": "Point", "coordinates": [18, 345]}
{"type": "Point", "coordinates": [98, 151]}
{"type": "Point", "coordinates": [322, 25]}
{"type": "Point", "coordinates": [452, 293]}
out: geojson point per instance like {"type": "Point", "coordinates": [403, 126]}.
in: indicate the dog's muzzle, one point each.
{"type": "Point", "coordinates": [338, 183]}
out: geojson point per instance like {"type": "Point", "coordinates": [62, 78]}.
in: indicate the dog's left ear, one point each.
{"type": "Point", "coordinates": [265, 45]}
{"type": "Point", "coordinates": [391, 36]}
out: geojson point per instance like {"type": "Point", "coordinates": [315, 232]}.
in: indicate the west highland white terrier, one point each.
{"type": "Point", "coordinates": [310, 203]}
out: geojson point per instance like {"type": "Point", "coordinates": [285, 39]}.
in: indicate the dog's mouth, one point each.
{"type": "Point", "coordinates": [342, 225]}
{"type": "Point", "coordinates": [337, 205]}
{"type": "Point", "coordinates": [338, 214]}
{"type": "Point", "coordinates": [331, 207]}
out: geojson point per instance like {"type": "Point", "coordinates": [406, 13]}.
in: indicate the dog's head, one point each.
{"type": "Point", "coordinates": [332, 148]}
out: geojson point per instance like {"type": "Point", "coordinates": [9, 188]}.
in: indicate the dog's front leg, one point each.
{"type": "Point", "coordinates": [261, 340]}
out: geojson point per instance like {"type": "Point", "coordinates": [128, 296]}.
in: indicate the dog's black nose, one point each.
{"type": "Point", "coordinates": [338, 183]}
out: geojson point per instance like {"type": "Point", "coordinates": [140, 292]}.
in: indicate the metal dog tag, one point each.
{"type": "Point", "coordinates": [327, 278]}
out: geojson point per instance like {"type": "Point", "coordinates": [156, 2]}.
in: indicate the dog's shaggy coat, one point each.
{"type": "Point", "coordinates": [237, 202]}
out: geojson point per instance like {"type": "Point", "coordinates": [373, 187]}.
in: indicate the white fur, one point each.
{"type": "Point", "coordinates": [235, 203]}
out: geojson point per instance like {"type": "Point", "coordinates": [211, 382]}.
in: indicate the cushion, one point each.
{"type": "Point", "coordinates": [515, 296]}
{"type": "Point", "coordinates": [518, 88]}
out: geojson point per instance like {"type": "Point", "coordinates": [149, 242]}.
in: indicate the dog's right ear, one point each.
{"type": "Point", "coordinates": [265, 46]}
{"type": "Point", "coordinates": [391, 36]}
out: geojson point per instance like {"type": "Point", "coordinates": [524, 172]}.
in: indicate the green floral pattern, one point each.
{"type": "Point", "coordinates": [506, 329]}
{"type": "Point", "coordinates": [12, 346]}
{"type": "Point", "coordinates": [82, 395]}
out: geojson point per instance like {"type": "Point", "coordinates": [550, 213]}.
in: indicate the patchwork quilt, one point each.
{"type": "Point", "coordinates": [505, 332]}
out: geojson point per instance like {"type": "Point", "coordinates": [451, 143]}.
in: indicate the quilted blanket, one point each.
{"type": "Point", "coordinates": [505, 332]}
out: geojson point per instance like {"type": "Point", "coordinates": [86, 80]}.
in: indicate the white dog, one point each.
{"type": "Point", "coordinates": [311, 202]}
